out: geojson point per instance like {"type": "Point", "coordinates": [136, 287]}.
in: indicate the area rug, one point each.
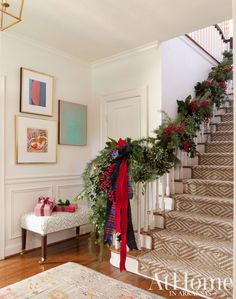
{"type": "Point", "coordinates": [72, 280]}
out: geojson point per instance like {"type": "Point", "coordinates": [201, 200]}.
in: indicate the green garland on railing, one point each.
{"type": "Point", "coordinates": [152, 157]}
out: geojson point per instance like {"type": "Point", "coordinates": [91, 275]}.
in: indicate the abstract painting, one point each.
{"type": "Point", "coordinates": [72, 123]}
{"type": "Point", "coordinates": [36, 140]}
{"type": "Point", "coordinates": [37, 94]}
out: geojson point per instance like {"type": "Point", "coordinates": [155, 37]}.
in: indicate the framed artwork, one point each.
{"type": "Point", "coordinates": [72, 123]}
{"type": "Point", "coordinates": [36, 92]}
{"type": "Point", "coordinates": [36, 140]}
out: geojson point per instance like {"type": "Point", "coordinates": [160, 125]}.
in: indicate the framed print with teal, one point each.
{"type": "Point", "coordinates": [72, 123]}
{"type": "Point", "coordinates": [37, 92]}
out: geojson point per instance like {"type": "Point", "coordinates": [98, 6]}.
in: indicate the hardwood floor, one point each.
{"type": "Point", "coordinates": [16, 268]}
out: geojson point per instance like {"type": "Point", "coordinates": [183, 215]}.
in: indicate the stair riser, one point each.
{"type": "Point", "coordinates": [213, 174]}
{"type": "Point", "coordinates": [222, 137]}
{"type": "Point", "coordinates": [158, 271]}
{"type": "Point", "coordinates": [217, 231]}
{"type": "Point", "coordinates": [204, 207]}
{"type": "Point", "coordinates": [219, 148]}
{"type": "Point", "coordinates": [217, 190]}
{"type": "Point", "coordinates": [216, 160]}
{"type": "Point", "coordinates": [203, 256]}
{"type": "Point", "coordinates": [224, 127]}
{"type": "Point", "coordinates": [227, 117]}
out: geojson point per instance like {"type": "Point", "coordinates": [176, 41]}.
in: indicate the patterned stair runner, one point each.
{"type": "Point", "coordinates": [197, 241]}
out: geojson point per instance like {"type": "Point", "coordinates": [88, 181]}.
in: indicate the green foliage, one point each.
{"type": "Point", "coordinates": [152, 157]}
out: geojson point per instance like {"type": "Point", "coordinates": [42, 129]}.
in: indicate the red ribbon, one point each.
{"type": "Point", "coordinates": [121, 211]}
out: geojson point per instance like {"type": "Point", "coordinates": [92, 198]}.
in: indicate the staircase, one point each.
{"type": "Point", "coordinates": [197, 239]}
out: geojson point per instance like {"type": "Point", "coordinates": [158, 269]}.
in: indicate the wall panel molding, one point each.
{"type": "Point", "coordinates": [15, 231]}
{"type": "Point", "coordinates": [42, 178]}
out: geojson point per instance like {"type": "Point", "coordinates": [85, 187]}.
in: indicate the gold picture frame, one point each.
{"type": "Point", "coordinates": [35, 140]}
{"type": "Point", "coordinates": [36, 92]}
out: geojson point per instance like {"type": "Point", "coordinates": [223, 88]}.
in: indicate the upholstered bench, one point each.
{"type": "Point", "coordinates": [45, 225]}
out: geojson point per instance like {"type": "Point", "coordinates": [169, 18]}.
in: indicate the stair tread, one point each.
{"type": "Point", "coordinates": [154, 259]}
{"type": "Point", "coordinates": [225, 200]}
{"type": "Point", "coordinates": [200, 218]}
{"type": "Point", "coordinates": [223, 132]}
{"type": "Point", "coordinates": [198, 241]}
{"type": "Point", "coordinates": [215, 167]}
{"type": "Point", "coordinates": [220, 142]}
{"type": "Point", "coordinates": [218, 154]}
{"type": "Point", "coordinates": [207, 182]}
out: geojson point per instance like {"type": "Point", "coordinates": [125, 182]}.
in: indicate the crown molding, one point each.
{"type": "Point", "coordinates": [124, 54]}
{"type": "Point", "coordinates": [45, 47]}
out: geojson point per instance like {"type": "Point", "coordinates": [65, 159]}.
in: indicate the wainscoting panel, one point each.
{"type": "Point", "coordinates": [21, 195]}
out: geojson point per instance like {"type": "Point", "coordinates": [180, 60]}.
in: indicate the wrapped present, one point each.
{"type": "Point", "coordinates": [45, 206]}
{"type": "Point", "coordinates": [70, 208]}
{"type": "Point", "coordinates": [65, 206]}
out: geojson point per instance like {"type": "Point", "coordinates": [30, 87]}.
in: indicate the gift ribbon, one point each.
{"type": "Point", "coordinates": [61, 203]}
{"type": "Point", "coordinates": [121, 208]}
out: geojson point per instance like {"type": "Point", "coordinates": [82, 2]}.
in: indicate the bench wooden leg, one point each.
{"type": "Point", "coordinates": [23, 240]}
{"type": "Point", "coordinates": [43, 249]}
{"type": "Point", "coordinates": [77, 232]}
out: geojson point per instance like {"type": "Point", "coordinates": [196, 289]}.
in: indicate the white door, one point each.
{"type": "Point", "coordinates": [125, 115]}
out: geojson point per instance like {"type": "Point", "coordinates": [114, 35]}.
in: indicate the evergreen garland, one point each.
{"type": "Point", "coordinates": [150, 158]}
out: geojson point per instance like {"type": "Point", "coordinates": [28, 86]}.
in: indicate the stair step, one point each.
{"type": "Point", "coordinates": [219, 147]}
{"type": "Point", "coordinates": [227, 117]}
{"type": "Point", "coordinates": [222, 136]}
{"type": "Point", "coordinates": [206, 205]}
{"type": "Point", "coordinates": [175, 269]}
{"type": "Point", "coordinates": [216, 159]}
{"type": "Point", "coordinates": [230, 109]}
{"type": "Point", "coordinates": [225, 126]}
{"type": "Point", "coordinates": [206, 251]}
{"type": "Point", "coordinates": [208, 187]}
{"type": "Point", "coordinates": [213, 172]}
{"type": "Point", "coordinates": [198, 224]}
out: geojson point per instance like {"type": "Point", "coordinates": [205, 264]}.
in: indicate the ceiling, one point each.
{"type": "Point", "coordinates": [95, 29]}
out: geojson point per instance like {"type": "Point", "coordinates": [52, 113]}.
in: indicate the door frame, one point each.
{"type": "Point", "coordinates": [141, 92]}
{"type": "Point", "coordinates": [2, 165]}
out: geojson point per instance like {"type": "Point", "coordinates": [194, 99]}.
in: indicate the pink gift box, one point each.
{"type": "Point", "coordinates": [42, 209]}
{"type": "Point", "coordinates": [45, 206]}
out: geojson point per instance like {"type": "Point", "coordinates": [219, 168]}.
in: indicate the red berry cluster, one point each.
{"type": "Point", "coordinates": [106, 177]}
{"type": "Point", "coordinates": [174, 129]}
{"type": "Point", "coordinates": [204, 103]}
{"type": "Point", "coordinates": [228, 69]}
{"type": "Point", "coordinates": [207, 83]}
{"type": "Point", "coordinates": [186, 145]}
{"type": "Point", "coordinates": [193, 106]}
{"type": "Point", "coordinates": [222, 85]}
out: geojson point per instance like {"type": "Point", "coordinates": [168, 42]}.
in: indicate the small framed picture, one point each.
{"type": "Point", "coordinates": [72, 123]}
{"type": "Point", "coordinates": [36, 92]}
{"type": "Point", "coordinates": [36, 140]}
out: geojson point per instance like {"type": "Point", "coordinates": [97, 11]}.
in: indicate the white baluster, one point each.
{"type": "Point", "coordinates": [145, 209]}
{"type": "Point", "coordinates": [173, 180]}
{"type": "Point", "coordinates": [168, 184]}
{"type": "Point", "coordinates": [157, 194]}
{"type": "Point", "coordinates": [151, 205]}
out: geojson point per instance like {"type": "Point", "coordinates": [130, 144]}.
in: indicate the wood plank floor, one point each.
{"type": "Point", "coordinates": [16, 268]}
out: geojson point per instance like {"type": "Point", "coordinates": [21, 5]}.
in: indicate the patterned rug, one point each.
{"type": "Point", "coordinates": [73, 281]}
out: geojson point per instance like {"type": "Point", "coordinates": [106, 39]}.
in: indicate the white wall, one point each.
{"type": "Point", "coordinates": [183, 65]}
{"type": "Point", "coordinates": [25, 183]}
{"type": "Point", "coordinates": [138, 69]}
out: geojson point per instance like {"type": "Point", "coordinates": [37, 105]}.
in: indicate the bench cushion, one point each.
{"type": "Point", "coordinates": [58, 221]}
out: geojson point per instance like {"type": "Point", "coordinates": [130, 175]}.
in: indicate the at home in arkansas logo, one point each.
{"type": "Point", "coordinates": [188, 285]}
